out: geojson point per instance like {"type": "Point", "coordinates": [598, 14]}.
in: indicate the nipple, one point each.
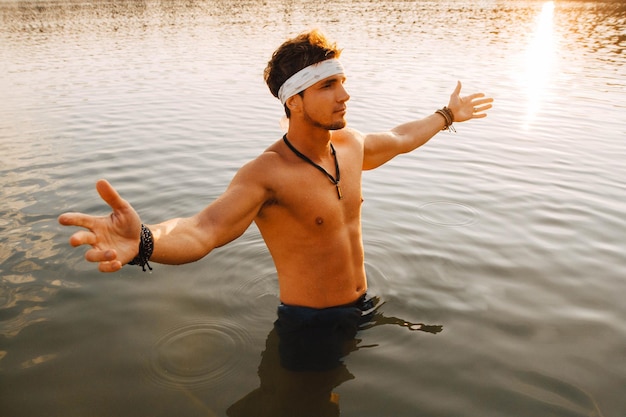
{"type": "Point", "coordinates": [319, 221]}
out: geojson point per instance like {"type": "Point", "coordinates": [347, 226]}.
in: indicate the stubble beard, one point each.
{"type": "Point", "coordinates": [337, 125]}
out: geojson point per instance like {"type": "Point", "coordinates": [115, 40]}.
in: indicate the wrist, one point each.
{"type": "Point", "coordinates": [448, 118]}
{"type": "Point", "coordinates": [146, 247]}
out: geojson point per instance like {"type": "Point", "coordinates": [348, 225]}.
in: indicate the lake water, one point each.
{"type": "Point", "coordinates": [510, 234]}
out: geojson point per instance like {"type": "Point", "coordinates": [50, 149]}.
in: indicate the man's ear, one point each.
{"type": "Point", "coordinates": [294, 103]}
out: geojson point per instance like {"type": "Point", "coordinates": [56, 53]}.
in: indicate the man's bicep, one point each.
{"type": "Point", "coordinates": [378, 148]}
{"type": "Point", "coordinates": [231, 214]}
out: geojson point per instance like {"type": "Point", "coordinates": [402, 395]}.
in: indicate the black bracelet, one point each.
{"type": "Point", "coordinates": [448, 117]}
{"type": "Point", "coordinates": [146, 246]}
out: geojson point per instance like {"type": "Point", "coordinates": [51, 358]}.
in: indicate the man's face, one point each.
{"type": "Point", "coordinates": [324, 103]}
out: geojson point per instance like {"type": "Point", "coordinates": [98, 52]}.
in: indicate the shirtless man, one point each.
{"type": "Point", "coordinates": [303, 192]}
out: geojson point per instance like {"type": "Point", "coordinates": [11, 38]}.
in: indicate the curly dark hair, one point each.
{"type": "Point", "coordinates": [297, 53]}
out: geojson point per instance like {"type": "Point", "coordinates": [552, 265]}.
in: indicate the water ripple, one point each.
{"type": "Point", "coordinates": [557, 394]}
{"type": "Point", "coordinates": [258, 287]}
{"type": "Point", "coordinates": [197, 354]}
{"type": "Point", "coordinates": [22, 305]}
{"type": "Point", "coordinates": [447, 213]}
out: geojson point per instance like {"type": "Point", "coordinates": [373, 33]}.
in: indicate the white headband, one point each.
{"type": "Point", "coordinates": [308, 76]}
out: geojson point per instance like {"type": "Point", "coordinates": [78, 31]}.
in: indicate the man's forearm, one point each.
{"type": "Point", "coordinates": [416, 133]}
{"type": "Point", "coordinates": [179, 241]}
{"type": "Point", "coordinates": [382, 147]}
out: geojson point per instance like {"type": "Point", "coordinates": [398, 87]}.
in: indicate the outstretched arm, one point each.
{"type": "Point", "coordinates": [114, 239]}
{"type": "Point", "coordinates": [184, 240]}
{"type": "Point", "coordinates": [382, 147]}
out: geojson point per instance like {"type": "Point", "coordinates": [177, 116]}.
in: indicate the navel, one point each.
{"type": "Point", "coordinates": [319, 221]}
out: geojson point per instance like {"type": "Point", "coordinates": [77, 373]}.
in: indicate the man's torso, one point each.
{"type": "Point", "coordinates": [315, 237]}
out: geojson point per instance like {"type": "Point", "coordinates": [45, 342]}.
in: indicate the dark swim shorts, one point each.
{"type": "Point", "coordinates": [317, 339]}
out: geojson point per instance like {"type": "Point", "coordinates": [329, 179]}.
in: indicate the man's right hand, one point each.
{"type": "Point", "coordinates": [114, 239]}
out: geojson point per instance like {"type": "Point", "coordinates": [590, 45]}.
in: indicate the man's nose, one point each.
{"type": "Point", "coordinates": [344, 96]}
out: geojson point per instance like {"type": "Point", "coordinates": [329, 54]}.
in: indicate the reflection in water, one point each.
{"type": "Point", "coordinates": [38, 360]}
{"type": "Point", "coordinates": [283, 392]}
{"type": "Point", "coordinates": [21, 306]}
{"type": "Point", "coordinates": [304, 392]}
{"type": "Point", "coordinates": [539, 61]}
{"type": "Point", "coordinates": [203, 354]}
{"type": "Point", "coordinates": [135, 15]}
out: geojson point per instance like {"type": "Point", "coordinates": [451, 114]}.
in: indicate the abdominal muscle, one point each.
{"type": "Point", "coordinates": [320, 282]}
{"type": "Point", "coordinates": [319, 271]}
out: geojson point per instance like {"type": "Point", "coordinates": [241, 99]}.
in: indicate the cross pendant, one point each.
{"type": "Point", "coordinates": [339, 193]}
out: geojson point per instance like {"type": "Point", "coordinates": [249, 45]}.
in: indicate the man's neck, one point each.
{"type": "Point", "coordinates": [313, 142]}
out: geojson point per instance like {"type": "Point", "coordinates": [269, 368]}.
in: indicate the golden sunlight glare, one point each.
{"type": "Point", "coordinates": [539, 60]}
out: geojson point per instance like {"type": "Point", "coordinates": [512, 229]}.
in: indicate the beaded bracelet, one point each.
{"type": "Point", "coordinates": [146, 246]}
{"type": "Point", "coordinates": [448, 117]}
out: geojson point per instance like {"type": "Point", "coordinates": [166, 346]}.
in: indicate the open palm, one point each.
{"type": "Point", "coordinates": [114, 239]}
{"type": "Point", "coordinates": [468, 107]}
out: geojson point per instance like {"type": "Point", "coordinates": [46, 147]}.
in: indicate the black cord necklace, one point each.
{"type": "Point", "coordinates": [332, 179]}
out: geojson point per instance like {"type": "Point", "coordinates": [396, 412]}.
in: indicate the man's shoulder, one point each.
{"type": "Point", "coordinates": [268, 158]}
{"type": "Point", "coordinates": [349, 138]}
{"type": "Point", "coordinates": [348, 135]}
{"type": "Point", "coordinates": [263, 167]}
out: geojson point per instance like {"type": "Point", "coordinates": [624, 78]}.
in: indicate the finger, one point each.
{"type": "Point", "coordinates": [457, 90]}
{"type": "Point", "coordinates": [475, 96]}
{"type": "Point", "coordinates": [482, 108]}
{"type": "Point", "coordinates": [97, 255]}
{"type": "Point", "coordinates": [77, 219]}
{"type": "Point", "coordinates": [482, 101]}
{"type": "Point", "coordinates": [83, 237]}
{"type": "Point", "coordinates": [112, 266]}
{"type": "Point", "coordinates": [110, 195]}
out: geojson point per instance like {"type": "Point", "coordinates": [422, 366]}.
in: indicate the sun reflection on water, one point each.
{"type": "Point", "coordinates": [539, 62]}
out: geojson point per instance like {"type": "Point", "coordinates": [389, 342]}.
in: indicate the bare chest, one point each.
{"type": "Point", "coordinates": [311, 197]}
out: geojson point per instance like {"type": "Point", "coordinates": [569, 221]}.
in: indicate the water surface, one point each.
{"type": "Point", "coordinates": [509, 234]}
